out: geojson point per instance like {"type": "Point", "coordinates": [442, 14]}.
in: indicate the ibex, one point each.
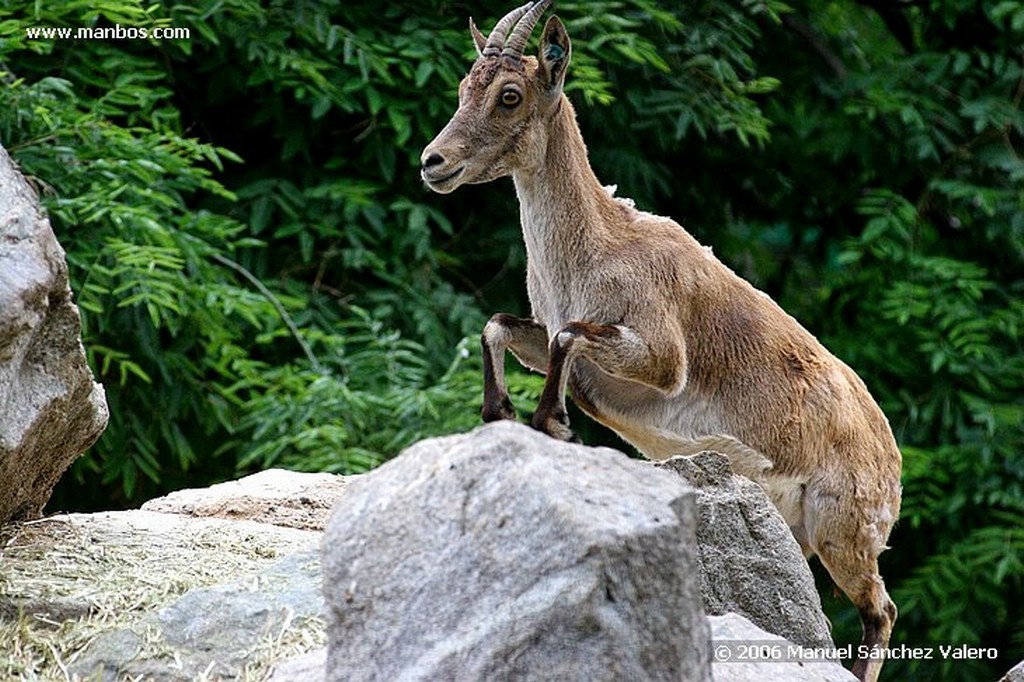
{"type": "Point", "coordinates": [655, 337]}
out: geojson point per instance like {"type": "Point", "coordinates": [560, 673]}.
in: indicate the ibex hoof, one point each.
{"type": "Point", "coordinates": [556, 427]}
{"type": "Point", "coordinates": [496, 411]}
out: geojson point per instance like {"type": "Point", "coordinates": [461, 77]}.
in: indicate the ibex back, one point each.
{"type": "Point", "coordinates": [658, 339]}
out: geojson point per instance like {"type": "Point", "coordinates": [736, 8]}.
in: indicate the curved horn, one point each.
{"type": "Point", "coordinates": [517, 41]}
{"type": "Point", "coordinates": [496, 40]}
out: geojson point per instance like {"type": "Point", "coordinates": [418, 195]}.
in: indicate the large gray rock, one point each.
{"type": "Point", "coordinates": [750, 563]}
{"type": "Point", "coordinates": [51, 410]}
{"type": "Point", "coordinates": [503, 554]}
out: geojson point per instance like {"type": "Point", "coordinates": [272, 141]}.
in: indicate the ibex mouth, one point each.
{"type": "Point", "coordinates": [438, 184]}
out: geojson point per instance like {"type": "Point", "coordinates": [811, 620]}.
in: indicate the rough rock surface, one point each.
{"type": "Point", "coordinates": [750, 562]}
{"type": "Point", "coordinates": [51, 410]}
{"type": "Point", "coordinates": [309, 667]}
{"type": "Point", "coordinates": [733, 636]}
{"type": "Point", "coordinates": [216, 632]}
{"type": "Point", "coordinates": [210, 593]}
{"type": "Point", "coordinates": [159, 596]}
{"type": "Point", "coordinates": [503, 554]}
{"type": "Point", "coordinates": [275, 496]}
{"type": "Point", "coordinates": [731, 631]}
{"type": "Point", "coordinates": [136, 557]}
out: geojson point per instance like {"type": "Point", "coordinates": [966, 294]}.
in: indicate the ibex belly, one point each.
{"type": "Point", "coordinates": [661, 427]}
{"type": "Point", "coordinates": [657, 426]}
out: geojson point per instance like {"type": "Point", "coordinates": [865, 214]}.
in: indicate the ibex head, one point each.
{"type": "Point", "coordinates": [504, 103]}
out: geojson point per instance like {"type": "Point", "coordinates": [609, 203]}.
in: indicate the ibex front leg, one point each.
{"type": "Point", "coordinates": [617, 350]}
{"type": "Point", "coordinates": [527, 340]}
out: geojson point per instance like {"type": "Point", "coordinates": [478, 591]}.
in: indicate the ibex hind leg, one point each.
{"type": "Point", "coordinates": [864, 586]}
{"type": "Point", "coordinates": [848, 537]}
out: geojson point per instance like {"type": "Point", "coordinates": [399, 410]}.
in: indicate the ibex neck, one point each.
{"type": "Point", "coordinates": [561, 202]}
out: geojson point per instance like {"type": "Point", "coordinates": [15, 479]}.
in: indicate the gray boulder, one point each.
{"type": "Point", "coordinates": [51, 410]}
{"type": "Point", "coordinates": [503, 554]}
{"type": "Point", "coordinates": [750, 563]}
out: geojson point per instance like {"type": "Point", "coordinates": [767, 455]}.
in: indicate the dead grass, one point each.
{"type": "Point", "coordinates": [66, 580]}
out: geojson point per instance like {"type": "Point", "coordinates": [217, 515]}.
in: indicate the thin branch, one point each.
{"type": "Point", "coordinates": [807, 32]}
{"type": "Point", "coordinates": [254, 280]}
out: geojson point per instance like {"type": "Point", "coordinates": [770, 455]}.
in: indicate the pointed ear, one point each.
{"type": "Point", "coordinates": [553, 59]}
{"type": "Point", "coordinates": [478, 38]}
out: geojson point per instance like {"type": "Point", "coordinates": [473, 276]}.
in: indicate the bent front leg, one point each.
{"type": "Point", "coordinates": [527, 340]}
{"type": "Point", "coordinates": [618, 351]}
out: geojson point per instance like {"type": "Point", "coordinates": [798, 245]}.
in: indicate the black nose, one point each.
{"type": "Point", "coordinates": [433, 160]}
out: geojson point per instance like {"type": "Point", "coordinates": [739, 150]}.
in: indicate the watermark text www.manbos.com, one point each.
{"type": "Point", "coordinates": [737, 651]}
{"type": "Point", "coordinates": [115, 32]}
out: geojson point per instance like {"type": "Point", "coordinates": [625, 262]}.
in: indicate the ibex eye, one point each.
{"type": "Point", "coordinates": [510, 98]}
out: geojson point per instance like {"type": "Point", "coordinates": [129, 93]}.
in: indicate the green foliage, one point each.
{"type": "Point", "coordinates": [380, 396]}
{"type": "Point", "coordinates": [264, 281]}
{"type": "Point", "coordinates": [140, 259]}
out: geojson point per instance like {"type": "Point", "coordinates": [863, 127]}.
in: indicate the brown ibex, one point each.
{"type": "Point", "coordinates": [655, 337]}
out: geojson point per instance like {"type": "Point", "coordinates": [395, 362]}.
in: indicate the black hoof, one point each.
{"type": "Point", "coordinates": [555, 426]}
{"type": "Point", "coordinates": [493, 412]}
